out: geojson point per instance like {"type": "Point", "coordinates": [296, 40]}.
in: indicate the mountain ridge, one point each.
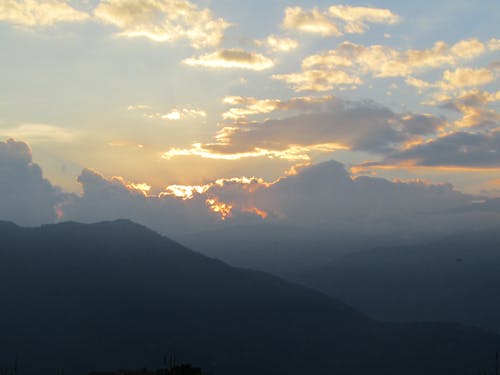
{"type": "Point", "coordinates": [116, 294]}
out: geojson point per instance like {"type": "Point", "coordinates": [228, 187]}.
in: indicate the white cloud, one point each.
{"type": "Point", "coordinates": [349, 62]}
{"type": "Point", "coordinates": [337, 20]}
{"type": "Point", "coordinates": [312, 21]}
{"type": "Point", "coordinates": [163, 21]}
{"type": "Point", "coordinates": [278, 43]}
{"type": "Point", "coordinates": [464, 77]}
{"type": "Point", "coordinates": [231, 59]}
{"type": "Point", "coordinates": [356, 18]}
{"type": "Point", "coordinates": [175, 114]}
{"type": "Point", "coordinates": [39, 13]}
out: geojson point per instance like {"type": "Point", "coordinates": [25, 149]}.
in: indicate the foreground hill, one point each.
{"type": "Point", "coordinates": [454, 279]}
{"type": "Point", "coordinates": [115, 294]}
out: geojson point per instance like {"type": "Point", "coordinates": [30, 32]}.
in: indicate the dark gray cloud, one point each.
{"type": "Point", "coordinates": [111, 198]}
{"type": "Point", "coordinates": [458, 149]}
{"type": "Point", "coordinates": [364, 126]}
{"type": "Point", "coordinates": [321, 196]}
{"type": "Point", "coordinates": [25, 196]}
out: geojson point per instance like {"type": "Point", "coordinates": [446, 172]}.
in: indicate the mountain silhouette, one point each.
{"type": "Point", "coordinates": [453, 279]}
{"type": "Point", "coordinates": [117, 295]}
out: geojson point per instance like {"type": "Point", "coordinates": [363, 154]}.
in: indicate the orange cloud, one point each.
{"type": "Point", "coordinates": [223, 209]}
{"type": "Point", "coordinates": [254, 210]}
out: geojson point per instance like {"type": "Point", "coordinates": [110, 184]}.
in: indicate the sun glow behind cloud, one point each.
{"type": "Point", "coordinates": [160, 68]}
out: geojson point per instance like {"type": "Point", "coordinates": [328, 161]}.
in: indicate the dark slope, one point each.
{"type": "Point", "coordinates": [279, 249]}
{"type": "Point", "coordinates": [456, 279]}
{"type": "Point", "coordinates": [116, 294]}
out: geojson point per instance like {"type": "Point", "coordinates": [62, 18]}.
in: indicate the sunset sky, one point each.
{"type": "Point", "coordinates": [155, 95]}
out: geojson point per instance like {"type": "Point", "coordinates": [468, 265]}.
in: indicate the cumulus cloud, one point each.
{"type": "Point", "coordinates": [39, 13]}
{"type": "Point", "coordinates": [473, 107]}
{"type": "Point", "coordinates": [278, 44]}
{"type": "Point", "coordinates": [312, 21]}
{"type": "Point", "coordinates": [323, 195]}
{"type": "Point", "coordinates": [318, 80]}
{"type": "Point", "coordinates": [349, 62]}
{"type": "Point", "coordinates": [334, 125]}
{"type": "Point", "coordinates": [337, 20]}
{"type": "Point", "coordinates": [231, 59]}
{"type": "Point", "coordinates": [456, 79]}
{"type": "Point", "coordinates": [356, 18]}
{"type": "Point", "coordinates": [163, 21]}
{"type": "Point", "coordinates": [106, 198]}
{"type": "Point", "coordinates": [464, 77]}
{"type": "Point", "coordinates": [26, 197]}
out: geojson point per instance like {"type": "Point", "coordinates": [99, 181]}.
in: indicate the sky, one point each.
{"type": "Point", "coordinates": [220, 110]}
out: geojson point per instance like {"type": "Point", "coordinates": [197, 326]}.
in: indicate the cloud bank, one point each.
{"type": "Point", "coordinates": [324, 196]}
{"type": "Point", "coordinates": [26, 197]}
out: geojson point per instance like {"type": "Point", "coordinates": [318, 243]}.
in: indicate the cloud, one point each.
{"type": "Point", "coordinates": [318, 80]}
{"type": "Point", "coordinates": [175, 114]}
{"type": "Point", "coordinates": [247, 106]}
{"type": "Point", "coordinates": [464, 77]}
{"type": "Point", "coordinates": [211, 151]}
{"type": "Point", "coordinates": [473, 98]}
{"type": "Point", "coordinates": [313, 21]}
{"type": "Point", "coordinates": [179, 114]}
{"type": "Point", "coordinates": [39, 13]}
{"type": "Point", "coordinates": [456, 79]}
{"type": "Point", "coordinates": [356, 18]}
{"type": "Point", "coordinates": [349, 62]}
{"type": "Point", "coordinates": [139, 107]}
{"type": "Point", "coordinates": [25, 196]}
{"type": "Point", "coordinates": [231, 59]}
{"type": "Point", "coordinates": [278, 44]}
{"type": "Point", "coordinates": [163, 21]}
{"type": "Point", "coordinates": [457, 149]}
{"type": "Point", "coordinates": [110, 198]}
{"type": "Point", "coordinates": [494, 44]}
{"type": "Point", "coordinates": [333, 125]}
{"type": "Point", "coordinates": [41, 133]}
{"type": "Point", "coordinates": [337, 20]}
{"type": "Point", "coordinates": [323, 196]}
{"type": "Point", "coordinates": [473, 107]}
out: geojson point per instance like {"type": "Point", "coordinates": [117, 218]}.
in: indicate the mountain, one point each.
{"type": "Point", "coordinates": [115, 294]}
{"type": "Point", "coordinates": [283, 250]}
{"type": "Point", "coordinates": [454, 279]}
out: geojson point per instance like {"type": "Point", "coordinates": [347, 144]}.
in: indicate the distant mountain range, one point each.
{"type": "Point", "coordinates": [453, 279]}
{"type": "Point", "coordinates": [283, 250]}
{"type": "Point", "coordinates": [115, 294]}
